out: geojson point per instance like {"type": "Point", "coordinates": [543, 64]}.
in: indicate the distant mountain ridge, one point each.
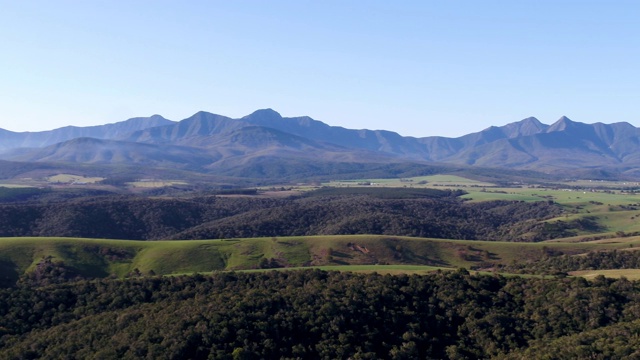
{"type": "Point", "coordinates": [209, 142]}
{"type": "Point", "coordinates": [11, 140]}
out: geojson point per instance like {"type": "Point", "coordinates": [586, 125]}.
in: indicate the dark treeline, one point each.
{"type": "Point", "coordinates": [348, 215]}
{"type": "Point", "coordinates": [213, 217]}
{"type": "Point", "coordinates": [119, 217]}
{"type": "Point", "coordinates": [560, 263]}
{"type": "Point", "coordinates": [318, 315]}
{"type": "Point", "coordinates": [20, 194]}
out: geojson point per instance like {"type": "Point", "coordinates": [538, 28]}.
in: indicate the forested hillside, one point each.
{"type": "Point", "coordinates": [562, 264]}
{"type": "Point", "coordinates": [314, 314]}
{"type": "Point", "coordinates": [432, 213]}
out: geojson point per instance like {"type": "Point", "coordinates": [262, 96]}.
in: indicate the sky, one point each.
{"type": "Point", "coordinates": [419, 68]}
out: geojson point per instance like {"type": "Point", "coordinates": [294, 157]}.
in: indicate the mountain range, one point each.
{"type": "Point", "coordinates": [210, 143]}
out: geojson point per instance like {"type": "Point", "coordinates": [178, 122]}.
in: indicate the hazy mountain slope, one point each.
{"type": "Point", "coordinates": [96, 151]}
{"type": "Point", "coordinates": [201, 124]}
{"type": "Point", "coordinates": [258, 138]}
{"type": "Point", "coordinates": [464, 149]}
{"type": "Point", "coordinates": [373, 140]}
{"type": "Point", "coordinates": [564, 144]}
{"type": "Point", "coordinates": [221, 144]}
{"type": "Point", "coordinates": [238, 148]}
{"type": "Point", "coordinates": [193, 131]}
{"type": "Point", "coordinates": [10, 140]}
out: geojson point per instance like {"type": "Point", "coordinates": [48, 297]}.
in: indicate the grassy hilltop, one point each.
{"type": "Point", "coordinates": [101, 258]}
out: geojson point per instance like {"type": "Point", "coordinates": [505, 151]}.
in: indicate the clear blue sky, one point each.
{"type": "Point", "coordinates": [419, 68]}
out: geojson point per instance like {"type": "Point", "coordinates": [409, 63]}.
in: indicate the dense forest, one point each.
{"type": "Point", "coordinates": [327, 315]}
{"type": "Point", "coordinates": [432, 213]}
{"type": "Point", "coordinates": [560, 264]}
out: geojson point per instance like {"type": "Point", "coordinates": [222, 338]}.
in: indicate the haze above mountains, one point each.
{"type": "Point", "coordinates": [210, 143]}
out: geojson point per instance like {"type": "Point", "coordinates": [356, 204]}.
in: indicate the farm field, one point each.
{"type": "Point", "coordinates": [575, 192]}
{"type": "Point", "coordinates": [562, 196]}
{"type": "Point", "coordinates": [68, 179]}
{"type": "Point", "coordinates": [602, 183]}
{"type": "Point", "coordinates": [150, 184]}
{"type": "Point", "coordinates": [368, 269]}
{"type": "Point", "coordinates": [14, 186]}
{"type": "Point", "coordinates": [614, 211]}
{"type": "Point", "coordinates": [612, 207]}
{"type": "Point", "coordinates": [420, 181]}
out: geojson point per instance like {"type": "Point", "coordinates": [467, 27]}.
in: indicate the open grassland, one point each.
{"type": "Point", "coordinates": [151, 184]}
{"type": "Point", "coordinates": [631, 274]}
{"type": "Point", "coordinates": [569, 193]}
{"type": "Point", "coordinates": [609, 205]}
{"type": "Point", "coordinates": [419, 181]}
{"type": "Point", "coordinates": [369, 269]}
{"type": "Point", "coordinates": [101, 258]}
{"type": "Point", "coordinates": [561, 196]}
{"type": "Point", "coordinates": [587, 195]}
{"type": "Point", "coordinates": [396, 270]}
{"type": "Point", "coordinates": [14, 186]}
{"type": "Point", "coordinates": [602, 183]}
{"type": "Point", "coordinates": [613, 211]}
{"type": "Point", "coordinates": [69, 178]}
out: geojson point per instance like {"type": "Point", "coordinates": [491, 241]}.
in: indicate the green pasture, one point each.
{"type": "Point", "coordinates": [393, 270]}
{"type": "Point", "coordinates": [507, 194]}
{"type": "Point", "coordinates": [631, 274]}
{"type": "Point", "coordinates": [368, 269]}
{"type": "Point", "coordinates": [384, 254]}
{"type": "Point", "coordinates": [614, 210]}
{"type": "Point", "coordinates": [593, 196]}
{"type": "Point", "coordinates": [587, 199]}
{"type": "Point", "coordinates": [419, 181]}
{"type": "Point", "coordinates": [450, 180]}
{"type": "Point", "coordinates": [625, 221]}
{"type": "Point", "coordinates": [603, 184]}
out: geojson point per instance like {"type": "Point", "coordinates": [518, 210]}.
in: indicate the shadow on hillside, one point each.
{"type": "Point", "coordinates": [8, 274]}
{"type": "Point", "coordinates": [414, 258]}
{"type": "Point", "coordinates": [408, 252]}
{"type": "Point", "coordinates": [341, 254]}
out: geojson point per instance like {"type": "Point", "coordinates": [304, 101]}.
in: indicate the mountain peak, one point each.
{"type": "Point", "coordinates": [526, 127]}
{"type": "Point", "coordinates": [562, 124]}
{"type": "Point", "coordinates": [200, 114]}
{"type": "Point", "coordinates": [263, 114]}
{"type": "Point", "coordinates": [531, 120]}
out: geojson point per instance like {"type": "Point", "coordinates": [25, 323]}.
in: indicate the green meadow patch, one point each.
{"type": "Point", "coordinates": [70, 179]}
{"type": "Point", "coordinates": [362, 253]}
{"type": "Point", "coordinates": [631, 274]}
{"type": "Point", "coordinates": [418, 181]}
{"type": "Point", "coordinates": [14, 186]}
{"type": "Point", "coordinates": [152, 184]}
{"type": "Point", "coordinates": [369, 269]}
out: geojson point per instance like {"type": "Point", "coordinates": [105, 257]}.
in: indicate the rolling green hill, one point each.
{"type": "Point", "coordinates": [93, 258]}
